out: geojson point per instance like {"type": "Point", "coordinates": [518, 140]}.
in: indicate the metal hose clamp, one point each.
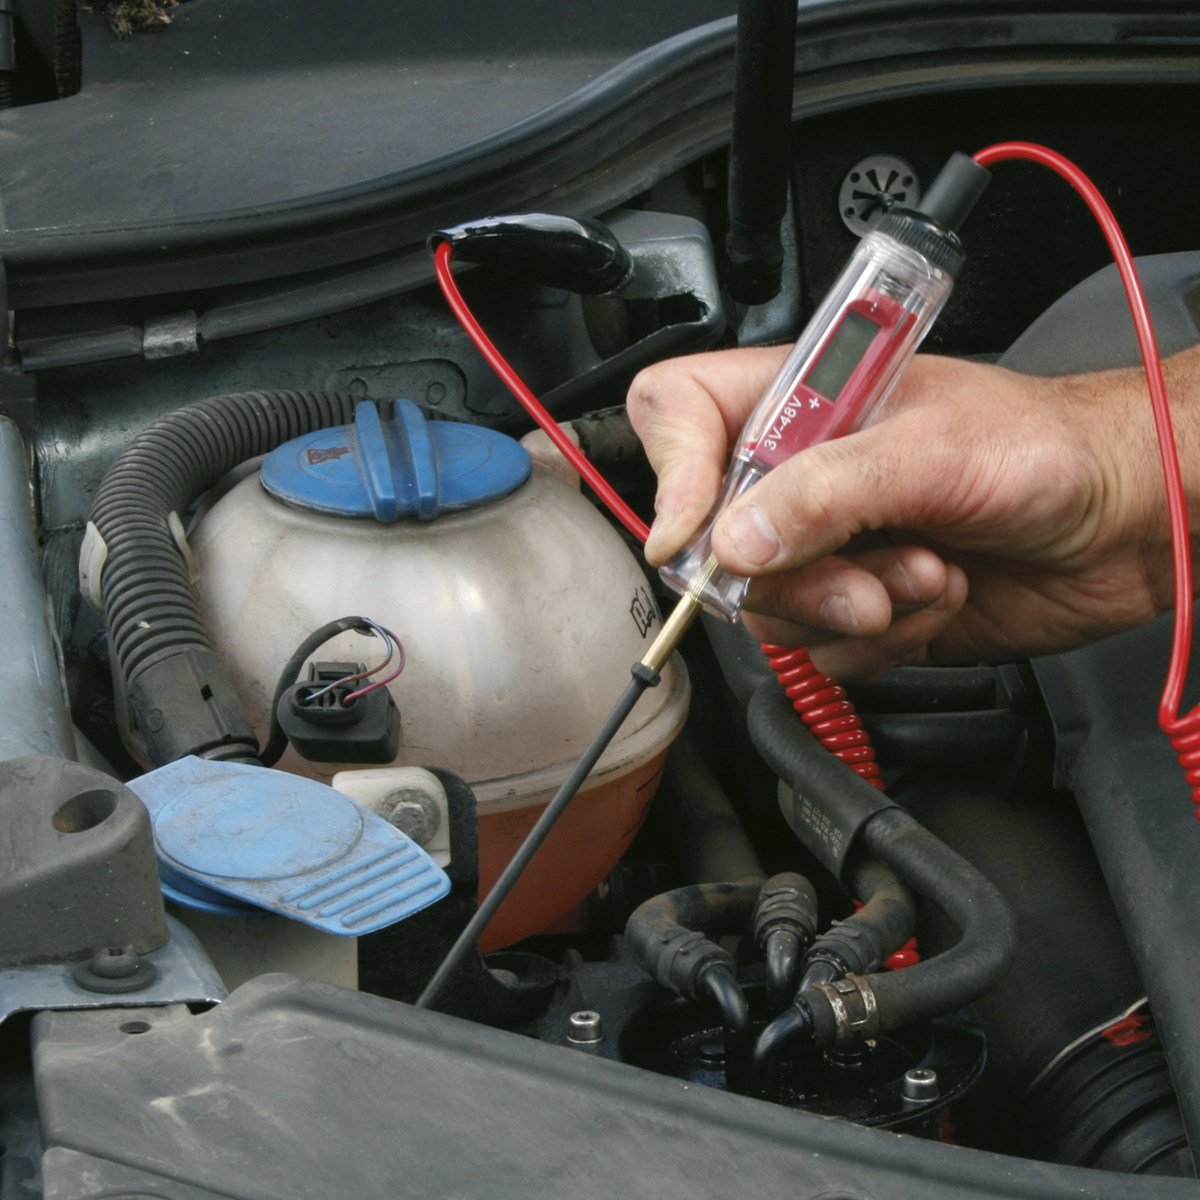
{"type": "Point", "coordinates": [854, 1007]}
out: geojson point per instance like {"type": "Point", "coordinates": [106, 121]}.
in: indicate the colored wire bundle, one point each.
{"type": "Point", "coordinates": [394, 645]}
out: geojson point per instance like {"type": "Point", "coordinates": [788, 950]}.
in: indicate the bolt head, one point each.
{"type": "Point", "coordinates": [585, 1026]}
{"type": "Point", "coordinates": [116, 962]}
{"type": "Point", "coordinates": [413, 812]}
{"type": "Point", "coordinates": [920, 1083]}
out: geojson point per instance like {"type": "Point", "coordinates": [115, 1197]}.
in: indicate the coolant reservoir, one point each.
{"type": "Point", "coordinates": [520, 610]}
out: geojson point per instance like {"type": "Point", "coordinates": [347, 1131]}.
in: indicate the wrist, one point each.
{"type": "Point", "coordinates": [1115, 410]}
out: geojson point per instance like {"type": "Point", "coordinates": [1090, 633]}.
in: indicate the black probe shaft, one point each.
{"type": "Point", "coordinates": [643, 678]}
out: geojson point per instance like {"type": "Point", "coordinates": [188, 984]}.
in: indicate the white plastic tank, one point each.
{"type": "Point", "coordinates": [519, 607]}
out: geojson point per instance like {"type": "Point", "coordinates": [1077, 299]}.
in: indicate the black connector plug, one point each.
{"type": "Point", "coordinates": [327, 729]}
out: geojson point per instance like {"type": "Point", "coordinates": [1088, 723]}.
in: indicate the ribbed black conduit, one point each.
{"type": "Point", "coordinates": [149, 606]}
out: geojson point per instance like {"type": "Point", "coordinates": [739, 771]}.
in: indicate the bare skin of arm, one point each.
{"type": "Point", "coordinates": [984, 515]}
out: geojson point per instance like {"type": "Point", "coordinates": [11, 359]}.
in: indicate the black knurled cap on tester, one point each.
{"type": "Point", "coordinates": [953, 194]}
{"type": "Point", "coordinates": [932, 229]}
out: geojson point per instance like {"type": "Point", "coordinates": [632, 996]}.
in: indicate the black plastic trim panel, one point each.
{"type": "Point", "coordinates": [582, 153]}
{"type": "Point", "coordinates": [297, 1089]}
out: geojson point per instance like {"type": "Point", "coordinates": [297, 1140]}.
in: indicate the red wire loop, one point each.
{"type": "Point", "coordinates": [1184, 732]}
{"type": "Point", "coordinates": [822, 704]}
{"type": "Point", "coordinates": [516, 385]}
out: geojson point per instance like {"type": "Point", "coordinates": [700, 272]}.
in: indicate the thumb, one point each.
{"type": "Point", "coordinates": [817, 501]}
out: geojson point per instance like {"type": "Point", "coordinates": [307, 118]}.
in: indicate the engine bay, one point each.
{"type": "Point", "coordinates": [235, 409]}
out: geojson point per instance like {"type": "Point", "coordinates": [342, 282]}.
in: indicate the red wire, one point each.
{"type": "Point", "coordinates": [821, 703]}
{"type": "Point", "coordinates": [1184, 732]}
{"type": "Point", "coordinates": [371, 687]}
{"type": "Point", "coordinates": [529, 401]}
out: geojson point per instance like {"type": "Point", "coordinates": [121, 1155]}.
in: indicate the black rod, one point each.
{"type": "Point", "coordinates": [643, 678]}
{"type": "Point", "coordinates": [763, 72]}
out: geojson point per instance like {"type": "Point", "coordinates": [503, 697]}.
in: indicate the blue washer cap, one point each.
{"type": "Point", "coordinates": [236, 840]}
{"type": "Point", "coordinates": [405, 467]}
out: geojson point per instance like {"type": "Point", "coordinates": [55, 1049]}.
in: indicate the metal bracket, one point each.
{"type": "Point", "coordinates": [185, 975]}
{"type": "Point", "coordinates": [167, 337]}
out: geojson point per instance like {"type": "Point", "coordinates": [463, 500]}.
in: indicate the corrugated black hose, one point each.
{"type": "Point", "coordinates": [179, 692]}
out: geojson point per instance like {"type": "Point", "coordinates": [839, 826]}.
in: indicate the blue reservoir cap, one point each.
{"type": "Point", "coordinates": [405, 467]}
{"type": "Point", "coordinates": [237, 840]}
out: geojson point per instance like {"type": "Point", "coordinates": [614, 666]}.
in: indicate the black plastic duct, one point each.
{"type": "Point", "coordinates": [1067, 1079]}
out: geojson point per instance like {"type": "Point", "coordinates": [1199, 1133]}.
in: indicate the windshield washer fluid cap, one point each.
{"type": "Point", "coordinates": [287, 845]}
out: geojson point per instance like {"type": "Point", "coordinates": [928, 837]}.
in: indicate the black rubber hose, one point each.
{"type": "Point", "coordinates": [862, 942]}
{"type": "Point", "coordinates": [721, 984]}
{"type": "Point", "coordinates": [178, 690]}
{"type": "Point", "coordinates": [988, 944]}
{"type": "Point", "coordinates": [929, 689]}
{"type": "Point", "coordinates": [937, 738]}
{"type": "Point", "coordinates": [714, 841]}
{"type": "Point", "coordinates": [784, 951]}
{"type": "Point", "coordinates": [669, 935]}
{"type": "Point", "coordinates": [739, 656]}
{"type": "Point", "coordinates": [783, 1032]}
{"type": "Point", "coordinates": [989, 931]}
{"type": "Point", "coordinates": [785, 921]}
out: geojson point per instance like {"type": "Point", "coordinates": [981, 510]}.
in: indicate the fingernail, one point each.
{"type": "Point", "coordinates": [901, 582]}
{"type": "Point", "coordinates": [753, 535]}
{"type": "Point", "coordinates": [654, 536]}
{"type": "Point", "coordinates": [838, 614]}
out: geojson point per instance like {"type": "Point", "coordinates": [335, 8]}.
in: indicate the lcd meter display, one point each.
{"type": "Point", "coordinates": [842, 353]}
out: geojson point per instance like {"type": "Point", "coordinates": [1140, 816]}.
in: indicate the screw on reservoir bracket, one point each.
{"type": "Point", "coordinates": [115, 971]}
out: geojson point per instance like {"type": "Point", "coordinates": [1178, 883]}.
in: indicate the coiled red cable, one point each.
{"type": "Point", "coordinates": [1184, 732]}
{"type": "Point", "coordinates": [825, 708]}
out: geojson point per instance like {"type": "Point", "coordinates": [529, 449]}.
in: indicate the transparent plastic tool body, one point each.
{"type": "Point", "coordinates": [845, 363]}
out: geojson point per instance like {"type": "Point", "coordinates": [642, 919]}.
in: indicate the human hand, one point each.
{"type": "Point", "coordinates": [984, 514]}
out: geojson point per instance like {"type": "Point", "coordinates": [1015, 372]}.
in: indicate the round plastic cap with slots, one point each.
{"type": "Point", "coordinates": [405, 467]}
